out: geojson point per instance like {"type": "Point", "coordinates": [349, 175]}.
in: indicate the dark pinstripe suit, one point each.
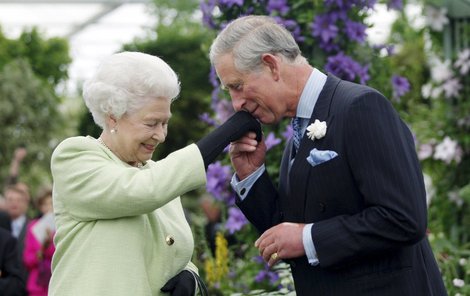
{"type": "Point", "coordinates": [368, 204]}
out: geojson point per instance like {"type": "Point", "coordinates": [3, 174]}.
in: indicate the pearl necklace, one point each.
{"type": "Point", "coordinates": [103, 143]}
{"type": "Point", "coordinates": [139, 164]}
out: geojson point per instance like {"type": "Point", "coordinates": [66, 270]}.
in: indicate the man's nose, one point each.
{"type": "Point", "coordinates": [237, 102]}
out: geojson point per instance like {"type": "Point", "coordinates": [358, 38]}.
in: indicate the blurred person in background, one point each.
{"type": "Point", "coordinates": [39, 247]}
{"type": "Point", "coordinates": [12, 282]}
{"type": "Point", "coordinates": [17, 201]}
{"type": "Point", "coordinates": [3, 203]}
{"type": "Point", "coordinates": [15, 165]}
{"type": "Point", "coordinates": [121, 228]}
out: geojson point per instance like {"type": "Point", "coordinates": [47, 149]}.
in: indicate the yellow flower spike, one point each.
{"type": "Point", "coordinates": [221, 255]}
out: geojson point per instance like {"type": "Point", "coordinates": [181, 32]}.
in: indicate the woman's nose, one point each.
{"type": "Point", "coordinates": [159, 133]}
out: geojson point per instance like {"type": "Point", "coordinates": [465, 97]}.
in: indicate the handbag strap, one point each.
{"type": "Point", "coordinates": [201, 285]}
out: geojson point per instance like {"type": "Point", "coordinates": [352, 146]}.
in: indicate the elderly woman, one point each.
{"type": "Point", "coordinates": [121, 228]}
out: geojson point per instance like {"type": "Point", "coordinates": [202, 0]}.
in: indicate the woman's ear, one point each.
{"type": "Point", "coordinates": [273, 63]}
{"type": "Point", "coordinates": [111, 121]}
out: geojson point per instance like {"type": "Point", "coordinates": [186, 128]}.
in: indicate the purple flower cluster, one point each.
{"type": "Point", "coordinates": [324, 27]}
{"type": "Point", "coordinates": [271, 141]}
{"type": "Point", "coordinates": [293, 27]}
{"type": "Point", "coordinates": [207, 8]}
{"type": "Point", "coordinates": [395, 4]}
{"type": "Point", "coordinates": [279, 6]}
{"type": "Point", "coordinates": [347, 4]}
{"type": "Point", "coordinates": [289, 132]}
{"type": "Point", "coordinates": [266, 274]}
{"type": "Point", "coordinates": [235, 221]}
{"type": "Point", "coordinates": [328, 27]}
{"type": "Point", "coordinates": [230, 3]}
{"type": "Point", "coordinates": [218, 182]}
{"type": "Point", "coordinates": [400, 85]}
{"type": "Point", "coordinates": [347, 68]}
{"type": "Point", "coordinates": [356, 31]}
{"type": "Point", "coordinates": [223, 110]}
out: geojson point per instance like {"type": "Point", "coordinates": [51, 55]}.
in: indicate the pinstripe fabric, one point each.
{"type": "Point", "coordinates": [368, 204]}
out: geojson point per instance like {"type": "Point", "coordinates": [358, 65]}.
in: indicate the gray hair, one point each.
{"type": "Point", "coordinates": [248, 37]}
{"type": "Point", "coordinates": [126, 82]}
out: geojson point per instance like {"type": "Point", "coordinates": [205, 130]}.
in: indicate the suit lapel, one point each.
{"type": "Point", "coordinates": [299, 174]}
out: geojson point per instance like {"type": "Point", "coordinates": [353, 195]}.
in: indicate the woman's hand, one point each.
{"type": "Point", "coordinates": [237, 126]}
{"type": "Point", "coordinates": [182, 284]}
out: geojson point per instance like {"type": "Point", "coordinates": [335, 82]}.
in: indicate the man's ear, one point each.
{"type": "Point", "coordinates": [273, 63]}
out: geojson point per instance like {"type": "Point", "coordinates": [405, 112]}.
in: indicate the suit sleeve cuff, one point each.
{"type": "Point", "coordinates": [309, 246]}
{"type": "Point", "coordinates": [243, 187]}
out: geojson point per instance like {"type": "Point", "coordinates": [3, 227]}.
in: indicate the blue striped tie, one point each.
{"type": "Point", "coordinates": [297, 128]}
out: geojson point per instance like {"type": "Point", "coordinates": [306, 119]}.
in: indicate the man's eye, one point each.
{"type": "Point", "coordinates": [232, 87]}
{"type": "Point", "coordinates": [237, 86]}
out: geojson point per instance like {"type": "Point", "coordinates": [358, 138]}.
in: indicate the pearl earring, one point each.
{"type": "Point", "coordinates": [113, 131]}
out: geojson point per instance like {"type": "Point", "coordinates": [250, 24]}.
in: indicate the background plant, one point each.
{"type": "Point", "coordinates": [32, 69]}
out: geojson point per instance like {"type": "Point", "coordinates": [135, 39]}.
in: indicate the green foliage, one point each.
{"type": "Point", "coordinates": [29, 117]}
{"type": "Point", "coordinates": [49, 58]}
{"type": "Point", "coordinates": [31, 67]}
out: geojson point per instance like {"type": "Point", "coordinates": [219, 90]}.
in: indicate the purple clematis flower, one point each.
{"type": "Point", "coordinates": [236, 220]}
{"type": "Point", "coordinates": [223, 110]}
{"type": "Point", "coordinates": [207, 8]}
{"type": "Point", "coordinates": [367, 3]}
{"type": "Point", "coordinates": [400, 86]}
{"type": "Point", "coordinates": [230, 3]}
{"type": "Point", "coordinates": [324, 28]}
{"type": "Point", "coordinates": [341, 4]}
{"type": "Point", "coordinates": [267, 274]}
{"type": "Point", "coordinates": [355, 31]}
{"type": "Point", "coordinates": [345, 67]}
{"type": "Point", "coordinates": [280, 6]}
{"type": "Point", "coordinates": [395, 4]}
{"type": "Point", "coordinates": [271, 141]}
{"type": "Point", "coordinates": [205, 117]}
{"type": "Point", "coordinates": [289, 132]}
{"type": "Point", "coordinates": [218, 179]}
{"type": "Point", "coordinates": [292, 26]}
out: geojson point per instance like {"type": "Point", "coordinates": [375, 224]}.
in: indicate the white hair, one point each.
{"type": "Point", "coordinates": [125, 82]}
{"type": "Point", "coordinates": [249, 37]}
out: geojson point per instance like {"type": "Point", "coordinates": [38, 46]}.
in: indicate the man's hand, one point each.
{"type": "Point", "coordinates": [247, 155]}
{"type": "Point", "coordinates": [182, 284]}
{"type": "Point", "coordinates": [284, 240]}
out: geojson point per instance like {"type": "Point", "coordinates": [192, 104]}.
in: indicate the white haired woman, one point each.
{"type": "Point", "coordinates": [121, 229]}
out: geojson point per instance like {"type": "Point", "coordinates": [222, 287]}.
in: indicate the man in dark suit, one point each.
{"type": "Point", "coordinates": [11, 281]}
{"type": "Point", "coordinates": [17, 203]}
{"type": "Point", "coordinates": [350, 212]}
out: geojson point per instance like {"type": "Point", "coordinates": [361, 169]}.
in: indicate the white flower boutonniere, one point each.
{"type": "Point", "coordinates": [316, 130]}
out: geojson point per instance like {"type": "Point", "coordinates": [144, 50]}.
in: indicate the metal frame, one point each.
{"type": "Point", "coordinates": [108, 6]}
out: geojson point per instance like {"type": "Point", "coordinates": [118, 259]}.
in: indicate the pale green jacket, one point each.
{"type": "Point", "coordinates": [113, 220]}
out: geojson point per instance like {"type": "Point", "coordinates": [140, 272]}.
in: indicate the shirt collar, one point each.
{"type": "Point", "coordinates": [310, 94]}
{"type": "Point", "coordinates": [17, 225]}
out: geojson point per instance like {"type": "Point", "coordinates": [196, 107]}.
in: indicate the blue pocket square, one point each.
{"type": "Point", "coordinates": [319, 156]}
